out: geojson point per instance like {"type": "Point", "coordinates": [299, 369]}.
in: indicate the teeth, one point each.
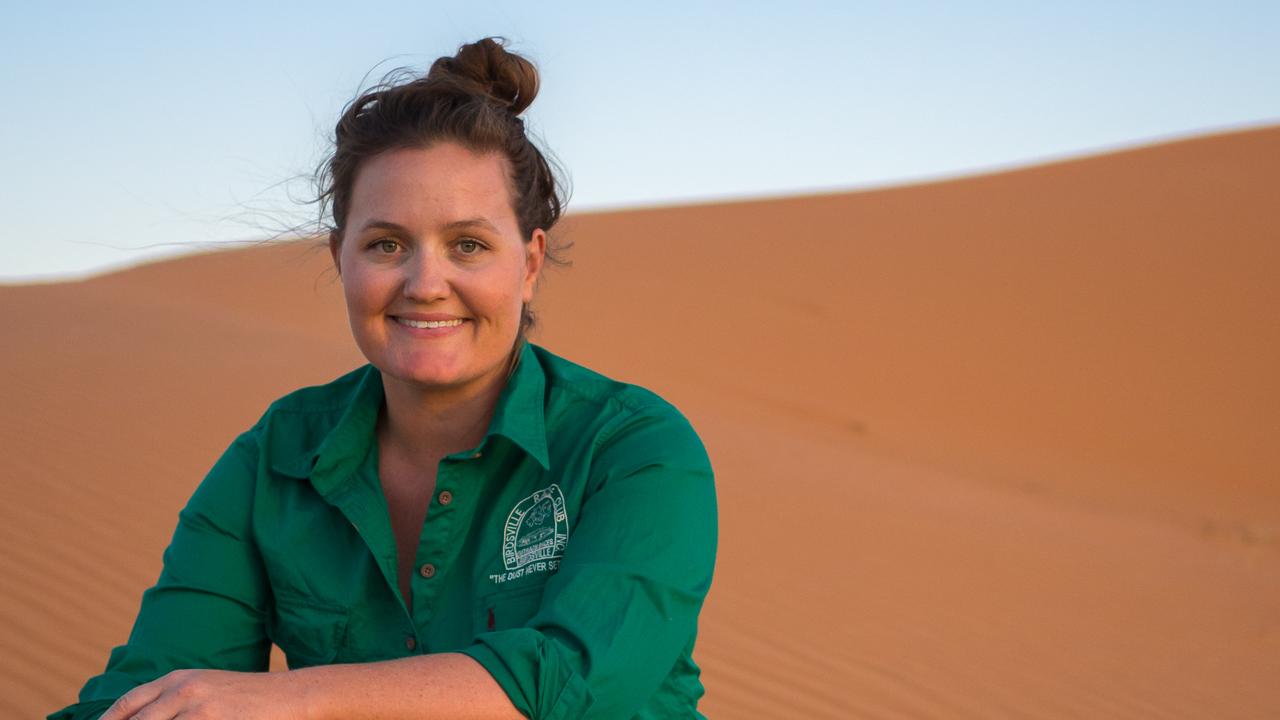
{"type": "Point", "coordinates": [430, 323]}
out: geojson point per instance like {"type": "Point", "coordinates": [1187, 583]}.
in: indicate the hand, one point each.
{"type": "Point", "coordinates": [212, 694]}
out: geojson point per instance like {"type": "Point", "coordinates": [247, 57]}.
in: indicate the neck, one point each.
{"type": "Point", "coordinates": [431, 423]}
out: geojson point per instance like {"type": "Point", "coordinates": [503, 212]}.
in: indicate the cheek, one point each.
{"type": "Point", "coordinates": [364, 290]}
{"type": "Point", "coordinates": [499, 293]}
{"type": "Point", "coordinates": [515, 299]}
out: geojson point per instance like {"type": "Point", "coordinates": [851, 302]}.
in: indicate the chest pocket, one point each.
{"type": "Point", "coordinates": [309, 633]}
{"type": "Point", "coordinates": [506, 609]}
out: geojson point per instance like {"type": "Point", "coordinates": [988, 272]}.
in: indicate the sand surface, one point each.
{"type": "Point", "coordinates": [1002, 446]}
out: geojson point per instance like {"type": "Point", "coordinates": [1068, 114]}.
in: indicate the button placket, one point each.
{"type": "Point", "coordinates": [437, 543]}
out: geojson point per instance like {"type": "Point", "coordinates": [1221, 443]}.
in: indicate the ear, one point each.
{"type": "Point", "coordinates": [535, 255]}
{"type": "Point", "coordinates": [335, 249]}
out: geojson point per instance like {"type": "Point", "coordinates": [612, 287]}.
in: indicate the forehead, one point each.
{"type": "Point", "coordinates": [431, 186]}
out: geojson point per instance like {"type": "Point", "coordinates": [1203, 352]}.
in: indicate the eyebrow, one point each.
{"type": "Point", "coordinates": [471, 222]}
{"type": "Point", "coordinates": [454, 225]}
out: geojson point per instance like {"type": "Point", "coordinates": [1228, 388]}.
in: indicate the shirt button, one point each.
{"type": "Point", "coordinates": [427, 571]}
{"type": "Point", "coordinates": [410, 643]}
{"type": "Point", "coordinates": [446, 497]}
{"type": "Point", "coordinates": [475, 455]}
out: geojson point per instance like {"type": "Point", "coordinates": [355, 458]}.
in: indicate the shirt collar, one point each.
{"type": "Point", "coordinates": [519, 416]}
{"type": "Point", "coordinates": [521, 412]}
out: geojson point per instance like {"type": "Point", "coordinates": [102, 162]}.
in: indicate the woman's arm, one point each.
{"type": "Point", "coordinates": [209, 606]}
{"type": "Point", "coordinates": [446, 685]}
{"type": "Point", "coordinates": [619, 615]}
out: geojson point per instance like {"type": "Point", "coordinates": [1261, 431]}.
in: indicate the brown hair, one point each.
{"type": "Point", "coordinates": [474, 99]}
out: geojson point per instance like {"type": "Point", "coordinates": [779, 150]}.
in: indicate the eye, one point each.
{"type": "Point", "coordinates": [385, 246]}
{"type": "Point", "coordinates": [469, 246]}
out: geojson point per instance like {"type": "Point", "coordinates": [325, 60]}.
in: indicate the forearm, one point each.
{"type": "Point", "coordinates": [445, 685]}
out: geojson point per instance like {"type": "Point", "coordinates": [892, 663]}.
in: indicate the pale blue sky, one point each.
{"type": "Point", "coordinates": [127, 125]}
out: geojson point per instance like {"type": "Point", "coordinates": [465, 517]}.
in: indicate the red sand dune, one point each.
{"type": "Point", "coordinates": [1002, 446]}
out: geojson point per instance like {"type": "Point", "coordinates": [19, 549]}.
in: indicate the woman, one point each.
{"type": "Point", "coordinates": [467, 527]}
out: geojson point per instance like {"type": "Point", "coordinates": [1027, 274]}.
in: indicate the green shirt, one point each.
{"type": "Point", "coordinates": [569, 553]}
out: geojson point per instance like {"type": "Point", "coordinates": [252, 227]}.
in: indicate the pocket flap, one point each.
{"type": "Point", "coordinates": [507, 609]}
{"type": "Point", "coordinates": [309, 633]}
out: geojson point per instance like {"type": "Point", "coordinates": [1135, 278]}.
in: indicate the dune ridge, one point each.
{"type": "Point", "coordinates": [997, 446]}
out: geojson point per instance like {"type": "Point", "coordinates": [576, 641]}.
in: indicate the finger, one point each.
{"type": "Point", "coordinates": [169, 705]}
{"type": "Point", "coordinates": [134, 700]}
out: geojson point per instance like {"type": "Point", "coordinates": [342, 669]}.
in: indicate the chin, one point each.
{"type": "Point", "coordinates": [439, 369]}
{"type": "Point", "coordinates": [430, 374]}
{"type": "Point", "coordinates": [426, 376]}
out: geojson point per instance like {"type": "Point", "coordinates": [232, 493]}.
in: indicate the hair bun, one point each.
{"type": "Point", "coordinates": [486, 66]}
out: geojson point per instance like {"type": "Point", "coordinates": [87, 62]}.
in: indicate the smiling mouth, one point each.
{"type": "Point", "coordinates": [430, 323]}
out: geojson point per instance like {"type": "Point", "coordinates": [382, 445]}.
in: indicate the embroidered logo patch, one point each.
{"type": "Point", "coordinates": [537, 529]}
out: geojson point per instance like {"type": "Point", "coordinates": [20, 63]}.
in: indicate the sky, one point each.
{"type": "Point", "coordinates": [136, 130]}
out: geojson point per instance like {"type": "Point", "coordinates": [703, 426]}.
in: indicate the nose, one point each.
{"type": "Point", "coordinates": [426, 277]}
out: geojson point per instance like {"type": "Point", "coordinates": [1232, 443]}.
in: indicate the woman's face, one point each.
{"type": "Point", "coordinates": [433, 266]}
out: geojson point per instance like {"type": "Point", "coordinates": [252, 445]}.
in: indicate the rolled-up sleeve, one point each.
{"type": "Point", "coordinates": [623, 605]}
{"type": "Point", "coordinates": [207, 610]}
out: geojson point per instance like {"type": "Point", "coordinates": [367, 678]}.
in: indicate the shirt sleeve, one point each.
{"type": "Point", "coordinates": [623, 605]}
{"type": "Point", "coordinates": [208, 608]}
